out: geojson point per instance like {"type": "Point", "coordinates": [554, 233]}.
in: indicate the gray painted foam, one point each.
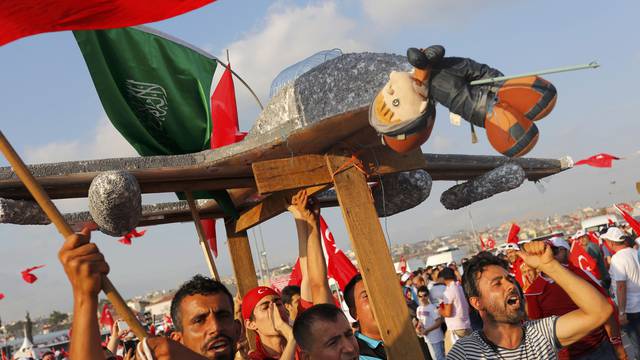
{"type": "Point", "coordinates": [343, 84]}
{"type": "Point", "coordinates": [503, 178]}
{"type": "Point", "coordinates": [401, 191]}
{"type": "Point", "coordinates": [21, 212]}
{"type": "Point", "coordinates": [115, 202]}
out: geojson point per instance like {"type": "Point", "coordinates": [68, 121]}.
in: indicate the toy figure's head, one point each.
{"type": "Point", "coordinates": [402, 112]}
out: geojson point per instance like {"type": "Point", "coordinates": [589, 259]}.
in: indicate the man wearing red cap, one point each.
{"type": "Point", "coordinates": [264, 313]}
{"type": "Point", "coordinates": [262, 308]}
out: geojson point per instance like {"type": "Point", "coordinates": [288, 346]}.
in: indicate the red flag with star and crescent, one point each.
{"type": "Point", "coordinates": [106, 319]}
{"type": "Point", "coordinates": [339, 266]}
{"type": "Point", "coordinates": [580, 258]}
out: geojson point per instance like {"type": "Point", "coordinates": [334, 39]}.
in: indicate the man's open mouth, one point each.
{"type": "Point", "coordinates": [219, 345]}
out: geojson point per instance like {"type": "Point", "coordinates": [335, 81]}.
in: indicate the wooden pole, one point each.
{"type": "Point", "coordinates": [56, 218]}
{"type": "Point", "coordinates": [204, 245]}
{"type": "Point", "coordinates": [243, 268]}
{"type": "Point", "coordinates": [374, 260]}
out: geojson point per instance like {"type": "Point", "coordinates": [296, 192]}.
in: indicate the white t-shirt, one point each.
{"type": "Point", "coordinates": [436, 294]}
{"type": "Point", "coordinates": [625, 267]}
{"type": "Point", "coordinates": [453, 294]}
{"type": "Point", "coordinates": [427, 315]}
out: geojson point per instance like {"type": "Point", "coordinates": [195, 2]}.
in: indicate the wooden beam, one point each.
{"type": "Point", "coordinates": [58, 188]}
{"type": "Point", "coordinates": [243, 268]}
{"type": "Point", "coordinates": [375, 263]}
{"type": "Point", "coordinates": [311, 170]}
{"type": "Point", "coordinates": [272, 206]}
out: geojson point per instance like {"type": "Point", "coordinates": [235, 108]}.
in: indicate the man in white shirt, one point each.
{"type": "Point", "coordinates": [429, 326]}
{"type": "Point", "coordinates": [454, 309]}
{"type": "Point", "coordinates": [625, 276]}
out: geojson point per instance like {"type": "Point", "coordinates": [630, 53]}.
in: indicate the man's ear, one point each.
{"type": "Point", "coordinates": [251, 325]}
{"type": "Point", "coordinates": [476, 303]}
{"type": "Point", "coordinates": [177, 336]}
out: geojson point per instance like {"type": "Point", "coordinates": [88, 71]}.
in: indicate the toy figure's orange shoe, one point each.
{"type": "Point", "coordinates": [509, 131]}
{"type": "Point", "coordinates": [532, 96]}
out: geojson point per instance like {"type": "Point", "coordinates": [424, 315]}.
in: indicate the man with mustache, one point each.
{"type": "Point", "coordinates": [504, 335]}
{"type": "Point", "coordinates": [202, 311]}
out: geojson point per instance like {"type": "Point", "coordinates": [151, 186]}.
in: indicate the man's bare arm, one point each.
{"type": "Point", "coordinates": [84, 265]}
{"type": "Point", "coordinates": [593, 309]}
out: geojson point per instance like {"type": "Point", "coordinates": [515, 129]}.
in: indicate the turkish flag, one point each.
{"type": "Point", "coordinates": [601, 160]}
{"type": "Point", "coordinates": [491, 242]}
{"type": "Point", "coordinates": [295, 278]}
{"type": "Point", "coordinates": [1, 296]}
{"type": "Point", "coordinates": [482, 246]}
{"type": "Point", "coordinates": [580, 258]}
{"type": "Point", "coordinates": [339, 266]}
{"type": "Point", "coordinates": [224, 131]}
{"type": "Point", "coordinates": [632, 222]}
{"type": "Point", "coordinates": [28, 276]}
{"type": "Point", "coordinates": [152, 330]}
{"type": "Point", "coordinates": [20, 18]}
{"type": "Point", "coordinates": [106, 319]}
{"type": "Point", "coordinates": [512, 238]}
{"type": "Point", "coordinates": [126, 239]}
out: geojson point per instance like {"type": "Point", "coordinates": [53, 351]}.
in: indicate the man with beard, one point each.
{"type": "Point", "coordinates": [504, 335]}
{"type": "Point", "coordinates": [203, 311]}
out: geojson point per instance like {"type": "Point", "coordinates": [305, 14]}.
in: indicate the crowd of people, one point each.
{"type": "Point", "coordinates": [523, 301]}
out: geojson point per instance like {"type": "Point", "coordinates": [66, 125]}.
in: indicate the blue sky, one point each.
{"type": "Point", "coordinates": [50, 112]}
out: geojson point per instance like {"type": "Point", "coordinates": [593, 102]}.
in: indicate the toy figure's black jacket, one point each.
{"type": "Point", "coordinates": [449, 85]}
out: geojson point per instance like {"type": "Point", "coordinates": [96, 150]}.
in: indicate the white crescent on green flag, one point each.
{"type": "Point", "coordinates": [155, 90]}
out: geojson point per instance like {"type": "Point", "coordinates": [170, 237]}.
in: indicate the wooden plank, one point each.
{"type": "Point", "coordinates": [311, 170]}
{"type": "Point", "coordinates": [243, 268]}
{"type": "Point", "coordinates": [290, 173]}
{"type": "Point", "coordinates": [375, 263]}
{"type": "Point", "coordinates": [272, 206]}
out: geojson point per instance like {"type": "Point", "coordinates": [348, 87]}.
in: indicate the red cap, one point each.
{"type": "Point", "coordinates": [253, 297]}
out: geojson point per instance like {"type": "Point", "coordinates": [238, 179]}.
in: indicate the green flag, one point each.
{"type": "Point", "coordinates": [154, 89]}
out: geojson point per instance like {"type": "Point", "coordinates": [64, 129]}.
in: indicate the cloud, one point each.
{"type": "Point", "coordinates": [105, 142]}
{"type": "Point", "coordinates": [287, 35]}
{"type": "Point", "coordinates": [398, 13]}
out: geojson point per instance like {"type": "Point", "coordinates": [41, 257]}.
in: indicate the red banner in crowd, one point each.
{"type": "Point", "coordinates": [512, 238]}
{"type": "Point", "coordinates": [106, 319]}
{"type": "Point", "coordinates": [629, 219]}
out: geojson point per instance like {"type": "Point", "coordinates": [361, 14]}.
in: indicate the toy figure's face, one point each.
{"type": "Point", "coordinates": [404, 97]}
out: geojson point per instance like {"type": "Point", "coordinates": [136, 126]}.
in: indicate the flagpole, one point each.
{"type": "Point", "coordinates": [49, 208]}
{"type": "Point", "coordinates": [201, 236]}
